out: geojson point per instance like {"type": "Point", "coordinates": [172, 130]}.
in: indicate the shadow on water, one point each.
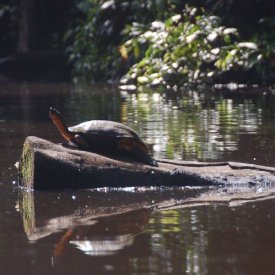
{"type": "Point", "coordinates": [221, 230]}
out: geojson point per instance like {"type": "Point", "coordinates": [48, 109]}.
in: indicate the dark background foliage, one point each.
{"type": "Point", "coordinates": [90, 32]}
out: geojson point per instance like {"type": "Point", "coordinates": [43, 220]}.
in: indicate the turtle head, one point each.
{"type": "Point", "coordinates": [60, 124]}
{"type": "Point", "coordinates": [54, 111]}
{"type": "Point", "coordinates": [57, 118]}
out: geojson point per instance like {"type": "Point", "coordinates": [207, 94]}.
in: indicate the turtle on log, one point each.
{"type": "Point", "coordinates": [103, 136]}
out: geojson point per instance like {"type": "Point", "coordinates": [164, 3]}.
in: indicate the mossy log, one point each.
{"type": "Point", "coordinates": [45, 165]}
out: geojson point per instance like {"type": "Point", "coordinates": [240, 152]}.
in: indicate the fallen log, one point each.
{"type": "Point", "coordinates": [45, 165]}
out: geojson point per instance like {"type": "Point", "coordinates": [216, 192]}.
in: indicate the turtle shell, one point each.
{"type": "Point", "coordinates": [108, 136]}
{"type": "Point", "coordinates": [105, 128]}
{"type": "Point", "coordinates": [105, 133]}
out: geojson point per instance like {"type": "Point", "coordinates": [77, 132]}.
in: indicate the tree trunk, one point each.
{"type": "Point", "coordinates": [45, 165]}
{"type": "Point", "coordinates": [25, 26]}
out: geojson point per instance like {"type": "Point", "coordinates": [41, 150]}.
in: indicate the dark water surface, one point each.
{"type": "Point", "coordinates": [134, 231]}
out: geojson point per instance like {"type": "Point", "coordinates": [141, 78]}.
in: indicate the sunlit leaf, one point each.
{"type": "Point", "coordinates": [143, 79]}
{"type": "Point", "coordinates": [123, 52]}
{"type": "Point", "coordinates": [248, 45]}
{"type": "Point", "coordinates": [157, 25]}
{"type": "Point", "coordinates": [107, 4]}
{"type": "Point", "coordinates": [192, 37]}
{"type": "Point", "coordinates": [212, 36]}
{"type": "Point", "coordinates": [230, 31]}
{"type": "Point", "coordinates": [176, 18]}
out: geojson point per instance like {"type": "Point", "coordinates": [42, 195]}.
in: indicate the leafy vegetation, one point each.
{"type": "Point", "coordinates": [149, 42]}
{"type": "Point", "coordinates": [93, 42]}
{"type": "Point", "coordinates": [192, 47]}
{"type": "Point", "coordinates": [156, 42]}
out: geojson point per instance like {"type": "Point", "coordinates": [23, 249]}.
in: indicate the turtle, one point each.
{"type": "Point", "coordinates": [103, 136]}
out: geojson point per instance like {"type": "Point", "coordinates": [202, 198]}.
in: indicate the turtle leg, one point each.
{"type": "Point", "coordinates": [69, 144]}
{"type": "Point", "coordinates": [152, 162]}
{"type": "Point", "coordinates": [140, 155]}
{"type": "Point", "coordinates": [138, 150]}
{"type": "Point", "coordinates": [81, 142]}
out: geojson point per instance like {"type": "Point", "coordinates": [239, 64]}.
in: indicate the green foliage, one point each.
{"type": "Point", "coordinates": [266, 42]}
{"type": "Point", "coordinates": [154, 42]}
{"type": "Point", "coordinates": [192, 47]}
{"type": "Point", "coordinates": [93, 41]}
{"type": "Point", "coordinates": [85, 41]}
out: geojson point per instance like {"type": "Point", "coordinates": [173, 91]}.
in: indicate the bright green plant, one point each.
{"type": "Point", "coordinates": [192, 47]}
{"type": "Point", "coordinates": [151, 43]}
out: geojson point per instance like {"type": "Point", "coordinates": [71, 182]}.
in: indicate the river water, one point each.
{"type": "Point", "coordinates": [136, 230]}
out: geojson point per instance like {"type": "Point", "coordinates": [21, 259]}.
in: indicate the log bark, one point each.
{"type": "Point", "coordinates": [45, 165]}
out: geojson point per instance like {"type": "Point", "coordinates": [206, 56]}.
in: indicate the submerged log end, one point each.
{"type": "Point", "coordinates": [45, 165]}
{"type": "Point", "coordinates": [26, 166]}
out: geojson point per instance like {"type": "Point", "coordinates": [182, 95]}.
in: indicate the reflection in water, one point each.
{"type": "Point", "coordinates": [95, 230]}
{"type": "Point", "coordinates": [100, 247]}
{"type": "Point", "coordinates": [179, 237]}
{"type": "Point", "coordinates": [109, 235]}
{"type": "Point", "coordinates": [119, 230]}
{"type": "Point", "coordinates": [189, 127]}
{"type": "Point", "coordinates": [106, 236]}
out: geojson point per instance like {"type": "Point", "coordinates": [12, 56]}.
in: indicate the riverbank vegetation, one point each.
{"type": "Point", "coordinates": [165, 42]}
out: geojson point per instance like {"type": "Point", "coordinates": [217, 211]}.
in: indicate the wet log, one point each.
{"type": "Point", "coordinates": [45, 165]}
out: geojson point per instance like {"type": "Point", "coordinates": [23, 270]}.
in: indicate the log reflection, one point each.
{"type": "Point", "coordinates": [104, 223]}
{"type": "Point", "coordinates": [107, 236]}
